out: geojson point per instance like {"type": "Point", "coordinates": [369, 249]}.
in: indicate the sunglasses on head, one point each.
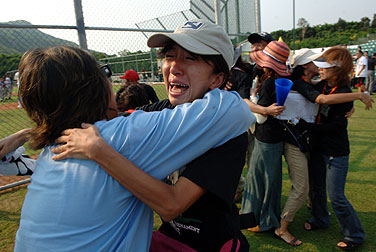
{"type": "Point", "coordinates": [106, 70]}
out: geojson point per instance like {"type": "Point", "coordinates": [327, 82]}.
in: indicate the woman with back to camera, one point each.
{"type": "Point", "coordinates": [73, 205]}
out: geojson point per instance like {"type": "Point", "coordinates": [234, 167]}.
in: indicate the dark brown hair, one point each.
{"type": "Point", "coordinates": [216, 61]}
{"type": "Point", "coordinates": [131, 96]}
{"type": "Point", "coordinates": [61, 87]}
{"type": "Point", "coordinates": [268, 74]}
{"type": "Point", "coordinates": [342, 56]}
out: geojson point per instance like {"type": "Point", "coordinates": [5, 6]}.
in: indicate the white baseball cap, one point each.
{"type": "Point", "coordinates": [303, 56]}
{"type": "Point", "coordinates": [200, 37]}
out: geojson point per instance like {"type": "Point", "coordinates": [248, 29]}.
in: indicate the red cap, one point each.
{"type": "Point", "coordinates": [130, 75]}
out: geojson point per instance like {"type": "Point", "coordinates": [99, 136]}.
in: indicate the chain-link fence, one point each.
{"type": "Point", "coordinates": [114, 31]}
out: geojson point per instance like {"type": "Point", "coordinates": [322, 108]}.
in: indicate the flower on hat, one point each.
{"type": "Point", "coordinates": [274, 56]}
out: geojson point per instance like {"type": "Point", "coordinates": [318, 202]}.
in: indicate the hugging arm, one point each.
{"type": "Point", "coordinates": [272, 110]}
{"type": "Point", "coordinates": [165, 153]}
{"type": "Point", "coordinates": [345, 97]}
{"type": "Point", "coordinates": [12, 142]}
{"type": "Point", "coordinates": [168, 201]}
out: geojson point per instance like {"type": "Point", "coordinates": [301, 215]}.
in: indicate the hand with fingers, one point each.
{"type": "Point", "coordinates": [274, 110]}
{"type": "Point", "coordinates": [79, 143]}
{"type": "Point", "coordinates": [349, 114]}
{"type": "Point", "coordinates": [228, 86]}
{"type": "Point", "coordinates": [367, 100]}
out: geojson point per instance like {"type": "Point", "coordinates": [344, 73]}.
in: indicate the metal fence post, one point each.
{"type": "Point", "coordinates": [258, 15]}
{"type": "Point", "coordinates": [80, 24]}
{"type": "Point", "coordinates": [217, 9]}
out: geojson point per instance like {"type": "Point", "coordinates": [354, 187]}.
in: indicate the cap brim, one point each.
{"type": "Point", "coordinates": [122, 77]}
{"type": "Point", "coordinates": [264, 60]}
{"type": "Point", "coordinates": [315, 56]}
{"type": "Point", "coordinates": [323, 64]}
{"type": "Point", "coordinates": [187, 42]}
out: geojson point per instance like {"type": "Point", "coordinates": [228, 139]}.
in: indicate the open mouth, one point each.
{"type": "Point", "coordinates": [178, 88]}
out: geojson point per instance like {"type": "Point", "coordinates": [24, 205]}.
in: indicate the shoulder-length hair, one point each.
{"type": "Point", "coordinates": [61, 87]}
{"type": "Point", "coordinates": [342, 57]}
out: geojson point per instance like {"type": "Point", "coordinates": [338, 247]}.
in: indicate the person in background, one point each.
{"type": "Point", "coordinates": [371, 62]}
{"type": "Point", "coordinates": [129, 97]}
{"type": "Point", "coordinates": [361, 69]}
{"type": "Point", "coordinates": [241, 81]}
{"type": "Point", "coordinates": [3, 89]}
{"type": "Point", "coordinates": [9, 86]}
{"type": "Point", "coordinates": [16, 78]}
{"type": "Point", "coordinates": [245, 80]}
{"type": "Point", "coordinates": [258, 42]}
{"type": "Point", "coordinates": [329, 160]}
{"type": "Point", "coordinates": [132, 77]}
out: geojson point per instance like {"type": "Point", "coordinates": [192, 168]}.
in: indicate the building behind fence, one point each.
{"type": "Point", "coordinates": [112, 40]}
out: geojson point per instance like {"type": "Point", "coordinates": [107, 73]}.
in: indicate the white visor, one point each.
{"type": "Point", "coordinates": [323, 64]}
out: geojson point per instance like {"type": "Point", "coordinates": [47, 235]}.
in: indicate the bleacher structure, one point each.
{"type": "Point", "coordinates": [369, 47]}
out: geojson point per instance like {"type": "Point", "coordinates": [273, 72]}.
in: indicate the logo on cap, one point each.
{"type": "Point", "coordinates": [192, 25]}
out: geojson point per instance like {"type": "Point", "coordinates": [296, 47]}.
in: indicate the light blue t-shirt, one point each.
{"type": "Point", "coordinates": [74, 205]}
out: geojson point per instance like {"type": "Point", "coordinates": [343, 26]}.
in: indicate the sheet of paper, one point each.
{"type": "Point", "coordinates": [297, 106]}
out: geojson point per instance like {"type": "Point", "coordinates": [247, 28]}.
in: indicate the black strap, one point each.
{"type": "Point", "coordinates": [293, 135]}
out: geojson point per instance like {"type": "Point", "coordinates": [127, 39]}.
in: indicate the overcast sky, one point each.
{"type": "Point", "coordinates": [275, 15]}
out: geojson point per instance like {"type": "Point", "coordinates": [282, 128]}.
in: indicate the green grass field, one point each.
{"type": "Point", "coordinates": [360, 190]}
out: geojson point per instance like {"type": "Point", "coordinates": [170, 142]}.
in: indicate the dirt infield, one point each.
{"type": "Point", "coordinates": [6, 180]}
{"type": "Point", "coordinates": [6, 106]}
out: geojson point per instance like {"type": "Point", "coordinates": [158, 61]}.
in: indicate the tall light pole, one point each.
{"type": "Point", "coordinates": [217, 10]}
{"type": "Point", "coordinates": [293, 25]}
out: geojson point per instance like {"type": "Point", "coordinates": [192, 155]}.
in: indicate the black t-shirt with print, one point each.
{"type": "Point", "coordinates": [214, 218]}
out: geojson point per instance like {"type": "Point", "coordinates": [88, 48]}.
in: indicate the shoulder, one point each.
{"type": "Point", "coordinates": [157, 106]}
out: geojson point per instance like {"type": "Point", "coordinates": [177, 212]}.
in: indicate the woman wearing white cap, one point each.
{"type": "Point", "coordinates": [198, 211]}
{"type": "Point", "coordinates": [296, 154]}
{"type": "Point", "coordinates": [329, 159]}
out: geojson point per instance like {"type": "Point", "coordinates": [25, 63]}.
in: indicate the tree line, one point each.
{"type": "Point", "coordinates": [326, 35]}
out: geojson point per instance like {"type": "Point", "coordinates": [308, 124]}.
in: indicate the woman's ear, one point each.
{"type": "Point", "coordinates": [218, 80]}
